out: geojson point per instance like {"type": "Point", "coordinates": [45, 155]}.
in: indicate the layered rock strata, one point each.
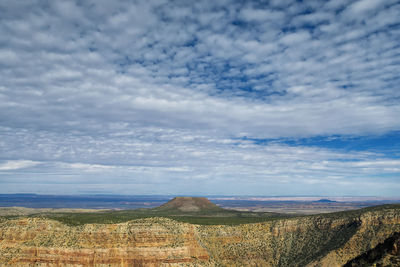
{"type": "Point", "coordinates": [307, 241]}
{"type": "Point", "coordinates": [147, 242]}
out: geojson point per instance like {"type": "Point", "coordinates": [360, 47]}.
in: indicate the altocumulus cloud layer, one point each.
{"type": "Point", "coordinates": [205, 97]}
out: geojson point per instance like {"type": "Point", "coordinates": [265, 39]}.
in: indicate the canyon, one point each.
{"type": "Point", "coordinates": [352, 238]}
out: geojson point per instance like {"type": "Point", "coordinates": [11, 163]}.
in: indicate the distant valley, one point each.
{"type": "Point", "coordinates": [289, 205]}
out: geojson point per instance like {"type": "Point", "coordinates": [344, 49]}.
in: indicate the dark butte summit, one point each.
{"type": "Point", "coordinates": [189, 204]}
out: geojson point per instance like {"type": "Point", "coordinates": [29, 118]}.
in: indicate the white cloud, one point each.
{"type": "Point", "coordinates": [89, 167]}
{"type": "Point", "coordinates": [258, 15]}
{"type": "Point", "coordinates": [363, 6]}
{"type": "Point", "coordinates": [17, 164]}
{"type": "Point", "coordinates": [169, 88]}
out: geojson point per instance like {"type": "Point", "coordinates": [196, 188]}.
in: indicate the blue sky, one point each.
{"type": "Point", "coordinates": [205, 97]}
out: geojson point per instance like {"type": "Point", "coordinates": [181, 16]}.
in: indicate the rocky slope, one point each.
{"type": "Point", "coordinates": [384, 254]}
{"type": "Point", "coordinates": [324, 240]}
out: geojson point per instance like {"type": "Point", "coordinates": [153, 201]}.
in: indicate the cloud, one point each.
{"type": "Point", "coordinates": [17, 164]}
{"type": "Point", "coordinates": [294, 38]}
{"type": "Point", "coordinates": [261, 15]}
{"type": "Point", "coordinates": [159, 88]}
{"type": "Point", "coordinates": [364, 6]}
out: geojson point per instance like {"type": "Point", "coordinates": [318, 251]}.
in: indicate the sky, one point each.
{"type": "Point", "coordinates": [266, 98]}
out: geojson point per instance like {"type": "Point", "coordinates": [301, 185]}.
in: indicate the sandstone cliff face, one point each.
{"type": "Point", "coordinates": [147, 242]}
{"type": "Point", "coordinates": [313, 241]}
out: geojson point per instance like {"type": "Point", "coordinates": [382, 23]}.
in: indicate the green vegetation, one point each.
{"type": "Point", "coordinates": [195, 210]}
{"type": "Point", "coordinates": [357, 212]}
{"type": "Point", "coordinates": [224, 217]}
{"type": "Point", "coordinates": [212, 216]}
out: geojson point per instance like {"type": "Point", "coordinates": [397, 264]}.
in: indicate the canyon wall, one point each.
{"type": "Point", "coordinates": [145, 242]}
{"type": "Point", "coordinates": [308, 241]}
{"type": "Point", "coordinates": [313, 240]}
